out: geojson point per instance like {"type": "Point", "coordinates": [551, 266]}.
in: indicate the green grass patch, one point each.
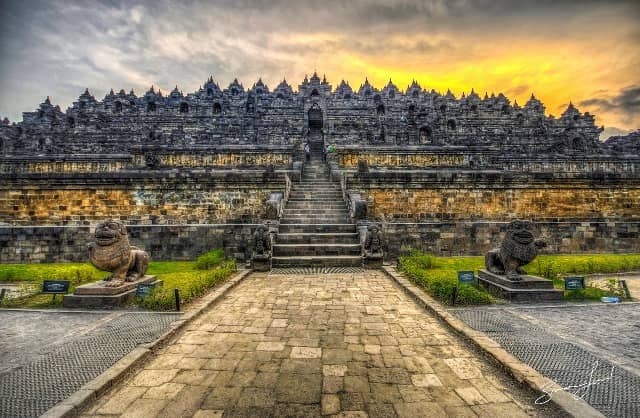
{"type": "Point", "coordinates": [438, 275]}
{"type": "Point", "coordinates": [192, 278]}
{"type": "Point", "coordinates": [553, 267]}
{"type": "Point", "coordinates": [30, 273]}
{"type": "Point", "coordinates": [191, 281]}
{"type": "Point", "coordinates": [588, 293]}
{"type": "Point", "coordinates": [209, 260]}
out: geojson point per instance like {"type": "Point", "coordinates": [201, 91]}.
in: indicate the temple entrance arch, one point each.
{"type": "Point", "coordinates": [315, 137]}
{"type": "Point", "coordinates": [315, 118]}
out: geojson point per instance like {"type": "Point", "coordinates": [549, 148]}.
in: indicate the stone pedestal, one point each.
{"type": "Point", "coordinates": [372, 261]}
{"type": "Point", "coordinates": [527, 289]}
{"type": "Point", "coordinates": [261, 263]}
{"type": "Point", "coordinates": [98, 296]}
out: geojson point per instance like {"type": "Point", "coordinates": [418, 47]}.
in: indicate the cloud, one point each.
{"type": "Point", "coordinates": [626, 102]}
{"type": "Point", "coordinates": [556, 48]}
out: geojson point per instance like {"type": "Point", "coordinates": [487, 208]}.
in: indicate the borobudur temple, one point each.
{"type": "Point", "coordinates": [190, 172]}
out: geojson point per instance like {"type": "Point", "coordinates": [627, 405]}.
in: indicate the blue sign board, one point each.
{"type": "Point", "coordinates": [466, 277]}
{"type": "Point", "coordinates": [144, 289]}
{"type": "Point", "coordinates": [574, 282]}
{"type": "Point", "coordinates": [55, 286]}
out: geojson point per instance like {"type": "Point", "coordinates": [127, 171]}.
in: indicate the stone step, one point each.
{"type": "Point", "coordinates": [315, 190]}
{"type": "Point", "coordinates": [306, 185]}
{"type": "Point", "coordinates": [294, 250]}
{"type": "Point", "coordinates": [303, 202]}
{"type": "Point", "coordinates": [314, 220]}
{"type": "Point", "coordinates": [315, 211]}
{"type": "Point", "coordinates": [315, 193]}
{"type": "Point", "coordinates": [319, 238]}
{"type": "Point", "coordinates": [311, 200]}
{"type": "Point", "coordinates": [309, 228]}
{"type": "Point", "coordinates": [317, 207]}
{"type": "Point", "coordinates": [320, 261]}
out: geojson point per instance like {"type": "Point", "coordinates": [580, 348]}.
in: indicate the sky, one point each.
{"type": "Point", "coordinates": [586, 52]}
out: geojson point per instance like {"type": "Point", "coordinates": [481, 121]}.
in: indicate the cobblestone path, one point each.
{"type": "Point", "coordinates": [347, 345]}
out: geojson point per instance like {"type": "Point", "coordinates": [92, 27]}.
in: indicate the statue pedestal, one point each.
{"type": "Point", "coordinates": [97, 295]}
{"type": "Point", "coordinates": [527, 289]}
{"type": "Point", "coordinates": [372, 261]}
{"type": "Point", "coordinates": [261, 263]}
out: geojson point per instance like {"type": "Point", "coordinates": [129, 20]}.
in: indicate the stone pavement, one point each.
{"type": "Point", "coordinates": [345, 345]}
{"type": "Point", "coordinates": [47, 355]}
{"type": "Point", "coordinates": [573, 343]}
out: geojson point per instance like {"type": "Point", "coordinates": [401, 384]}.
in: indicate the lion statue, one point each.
{"type": "Point", "coordinates": [517, 249]}
{"type": "Point", "coordinates": [112, 252]}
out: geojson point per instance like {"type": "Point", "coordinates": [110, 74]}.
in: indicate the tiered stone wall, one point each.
{"type": "Point", "coordinates": [350, 159]}
{"type": "Point", "coordinates": [145, 158]}
{"type": "Point", "coordinates": [139, 198]}
{"type": "Point", "coordinates": [494, 196]}
{"type": "Point", "coordinates": [55, 244]}
{"type": "Point", "coordinates": [476, 238]}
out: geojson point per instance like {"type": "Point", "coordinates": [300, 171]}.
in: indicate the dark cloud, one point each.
{"type": "Point", "coordinates": [627, 101]}
{"type": "Point", "coordinates": [58, 48]}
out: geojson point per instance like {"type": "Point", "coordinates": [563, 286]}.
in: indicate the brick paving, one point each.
{"type": "Point", "coordinates": [344, 345]}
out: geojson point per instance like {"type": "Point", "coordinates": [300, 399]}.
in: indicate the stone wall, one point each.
{"type": "Point", "coordinates": [40, 244]}
{"type": "Point", "coordinates": [54, 244]}
{"type": "Point", "coordinates": [446, 195]}
{"type": "Point", "coordinates": [351, 159]}
{"type": "Point", "coordinates": [145, 158]}
{"type": "Point", "coordinates": [476, 238]}
{"type": "Point", "coordinates": [160, 197]}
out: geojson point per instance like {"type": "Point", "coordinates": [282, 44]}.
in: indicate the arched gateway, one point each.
{"type": "Point", "coordinates": [315, 138]}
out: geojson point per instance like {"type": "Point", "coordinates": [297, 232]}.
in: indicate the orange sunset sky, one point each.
{"type": "Point", "coordinates": [587, 52]}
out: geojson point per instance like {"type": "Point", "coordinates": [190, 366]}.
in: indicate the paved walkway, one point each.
{"type": "Point", "coordinates": [45, 356]}
{"type": "Point", "coordinates": [346, 345]}
{"type": "Point", "coordinates": [573, 343]}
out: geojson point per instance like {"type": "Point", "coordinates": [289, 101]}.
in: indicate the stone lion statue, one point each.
{"type": "Point", "coordinates": [111, 252]}
{"type": "Point", "coordinates": [517, 249]}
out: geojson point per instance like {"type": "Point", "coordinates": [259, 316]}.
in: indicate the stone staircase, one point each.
{"type": "Point", "coordinates": [315, 228]}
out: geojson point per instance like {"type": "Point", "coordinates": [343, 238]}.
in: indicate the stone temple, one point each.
{"type": "Point", "coordinates": [190, 172]}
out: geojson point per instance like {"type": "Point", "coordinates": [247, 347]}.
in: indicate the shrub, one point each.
{"type": "Point", "coordinates": [210, 260]}
{"type": "Point", "coordinates": [192, 284]}
{"type": "Point", "coordinates": [440, 279]}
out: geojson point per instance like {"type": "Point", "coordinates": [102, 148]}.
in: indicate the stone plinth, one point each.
{"type": "Point", "coordinates": [372, 261]}
{"type": "Point", "coordinates": [97, 295]}
{"type": "Point", "coordinates": [261, 263]}
{"type": "Point", "coordinates": [527, 289]}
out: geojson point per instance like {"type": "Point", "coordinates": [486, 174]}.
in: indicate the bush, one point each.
{"type": "Point", "coordinates": [440, 279]}
{"type": "Point", "coordinates": [588, 293]}
{"type": "Point", "coordinates": [438, 275]}
{"type": "Point", "coordinates": [552, 266]}
{"type": "Point", "coordinates": [75, 272]}
{"type": "Point", "coordinates": [192, 284]}
{"type": "Point", "coordinates": [210, 260]}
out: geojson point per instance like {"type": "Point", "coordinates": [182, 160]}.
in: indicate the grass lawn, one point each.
{"type": "Point", "coordinates": [438, 275]}
{"type": "Point", "coordinates": [193, 278]}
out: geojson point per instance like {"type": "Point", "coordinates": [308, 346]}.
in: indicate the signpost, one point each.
{"type": "Point", "coordinates": [574, 282]}
{"type": "Point", "coordinates": [55, 287]}
{"type": "Point", "coordinates": [144, 289]}
{"type": "Point", "coordinates": [466, 277]}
